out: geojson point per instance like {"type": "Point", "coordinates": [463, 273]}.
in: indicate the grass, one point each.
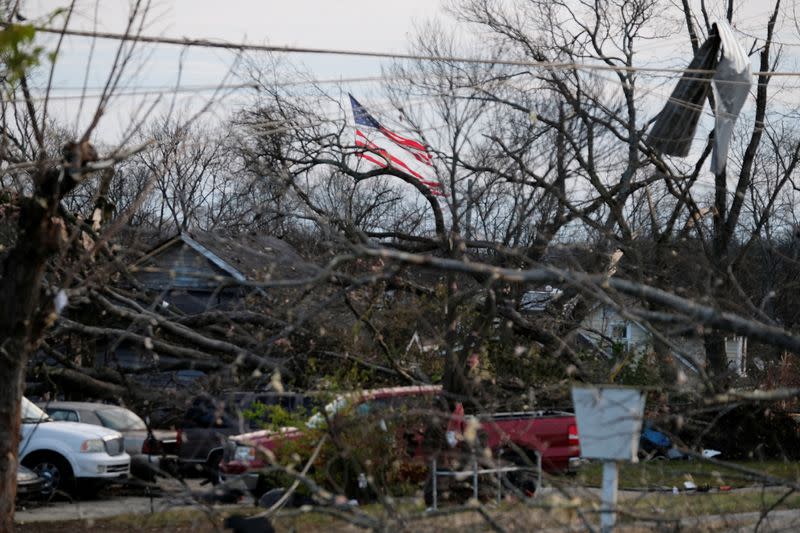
{"type": "Point", "coordinates": [668, 474]}
{"type": "Point", "coordinates": [688, 505]}
{"type": "Point", "coordinates": [551, 511]}
{"type": "Point", "coordinates": [557, 509]}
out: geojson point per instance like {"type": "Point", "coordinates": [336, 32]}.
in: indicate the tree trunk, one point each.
{"type": "Point", "coordinates": [20, 286]}
{"type": "Point", "coordinates": [12, 372]}
{"type": "Point", "coordinates": [41, 235]}
{"type": "Point", "coordinates": [716, 359]}
{"type": "Point", "coordinates": [667, 366]}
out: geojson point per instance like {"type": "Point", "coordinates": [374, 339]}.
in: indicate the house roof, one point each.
{"type": "Point", "coordinates": [199, 260]}
{"type": "Point", "coordinates": [199, 248]}
{"type": "Point", "coordinates": [257, 256]}
{"type": "Point", "coordinates": [535, 301]}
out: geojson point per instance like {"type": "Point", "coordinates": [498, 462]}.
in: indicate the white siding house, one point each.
{"type": "Point", "coordinates": [736, 350]}
{"type": "Point", "coordinates": [604, 327]}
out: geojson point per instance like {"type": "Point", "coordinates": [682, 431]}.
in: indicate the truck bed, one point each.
{"type": "Point", "coordinates": [553, 434]}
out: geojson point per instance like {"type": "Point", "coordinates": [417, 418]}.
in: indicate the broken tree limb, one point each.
{"type": "Point", "coordinates": [157, 345]}
{"type": "Point", "coordinates": [148, 317]}
{"type": "Point", "coordinates": [77, 380]}
{"type": "Point", "coordinates": [699, 313]}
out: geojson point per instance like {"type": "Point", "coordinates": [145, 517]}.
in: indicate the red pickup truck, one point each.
{"type": "Point", "coordinates": [551, 434]}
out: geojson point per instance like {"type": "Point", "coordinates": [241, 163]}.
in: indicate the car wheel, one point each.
{"type": "Point", "coordinates": [55, 469]}
{"type": "Point", "coordinates": [271, 497]}
{"type": "Point", "coordinates": [212, 468]}
{"type": "Point", "coordinates": [523, 481]}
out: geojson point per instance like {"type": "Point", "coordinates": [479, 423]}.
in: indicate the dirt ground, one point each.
{"type": "Point", "coordinates": [176, 509]}
{"type": "Point", "coordinates": [192, 521]}
{"type": "Point", "coordinates": [92, 514]}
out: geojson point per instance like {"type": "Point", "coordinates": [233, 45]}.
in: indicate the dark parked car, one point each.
{"type": "Point", "coordinates": [152, 451]}
{"type": "Point", "coordinates": [30, 484]}
{"type": "Point", "coordinates": [208, 422]}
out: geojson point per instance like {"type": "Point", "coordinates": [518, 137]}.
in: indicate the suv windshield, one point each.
{"type": "Point", "coordinates": [121, 419]}
{"type": "Point", "coordinates": [31, 413]}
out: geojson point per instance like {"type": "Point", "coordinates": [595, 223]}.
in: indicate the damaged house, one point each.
{"type": "Point", "coordinates": [190, 275]}
{"type": "Point", "coordinates": [210, 271]}
{"type": "Point", "coordinates": [186, 307]}
{"type": "Point", "coordinates": [606, 330]}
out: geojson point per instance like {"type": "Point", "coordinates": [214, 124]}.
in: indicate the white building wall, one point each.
{"type": "Point", "coordinates": [606, 322]}
{"type": "Point", "coordinates": [736, 352]}
{"type": "Point", "coordinates": [604, 319]}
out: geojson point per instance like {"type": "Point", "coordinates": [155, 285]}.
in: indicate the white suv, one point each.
{"type": "Point", "coordinates": [70, 454]}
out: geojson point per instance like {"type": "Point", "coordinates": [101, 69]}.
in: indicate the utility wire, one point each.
{"type": "Point", "coordinates": [153, 91]}
{"type": "Point", "coordinates": [171, 89]}
{"type": "Point", "coordinates": [207, 87]}
{"type": "Point", "coordinates": [204, 43]}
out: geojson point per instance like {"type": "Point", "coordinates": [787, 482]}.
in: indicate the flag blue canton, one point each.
{"type": "Point", "coordinates": [361, 116]}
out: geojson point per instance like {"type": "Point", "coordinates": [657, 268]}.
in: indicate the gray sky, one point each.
{"type": "Point", "coordinates": [338, 23]}
{"type": "Point", "coordinates": [349, 24]}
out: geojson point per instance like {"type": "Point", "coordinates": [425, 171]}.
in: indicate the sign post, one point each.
{"type": "Point", "coordinates": [608, 514]}
{"type": "Point", "coordinates": [609, 422]}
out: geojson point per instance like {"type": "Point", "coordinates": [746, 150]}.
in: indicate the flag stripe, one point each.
{"type": "Point", "coordinates": [399, 139]}
{"type": "Point", "coordinates": [414, 148]}
{"type": "Point", "coordinates": [432, 186]}
{"type": "Point", "coordinates": [404, 142]}
{"type": "Point", "coordinates": [371, 159]}
{"type": "Point", "coordinates": [395, 161]}
{"type": "Point", "coordinates": [412, 151]}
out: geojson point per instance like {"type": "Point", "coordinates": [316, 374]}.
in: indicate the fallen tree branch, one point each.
{"type": "Point", "coordinates": [227, 317]}
{"type": "Point", "coordinates": [156, 345]}
{"type": "Point", "coordinates": [699, 313]}
{"type": "Point", "coordinates": [183, 332]}
{"type": "Point", "coordinates": [378, 337]}
{"type": "Point", "coordinates": [78, 380]}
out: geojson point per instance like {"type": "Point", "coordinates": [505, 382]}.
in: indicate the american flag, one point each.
{"type": "Point", "coordinates": [385, 148]}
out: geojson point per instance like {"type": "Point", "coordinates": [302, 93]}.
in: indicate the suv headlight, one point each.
{"type": "Point", "coordinates": [93, 446]}
{"type": "Point", "coordinates": [244, 454]}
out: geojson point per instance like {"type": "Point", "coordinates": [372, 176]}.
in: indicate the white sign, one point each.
{"type": "Point", "coordinates": [609, 422]}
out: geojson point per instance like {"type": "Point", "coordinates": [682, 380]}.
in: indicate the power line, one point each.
{"type": "Point", "coordinates": [164, 89]}
{"type": "Point", "coordinates": [137, 92]}
{"type": "Point", "coordinates": [420, 99]}
{"type": "Point", "coordinates": [193, 89]}
{"type": "Point", "coordinates": [335, 116]}
{"type": "Point", "coordinates": [205, 43]}
{"type": "Point", "coordinates": [211, 87]}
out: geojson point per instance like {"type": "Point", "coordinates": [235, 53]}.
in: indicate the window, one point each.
{"type": "Point", "coordinates": [120, 419]}
{"type": "Point", "coordinates": [206, 413]}
{"type": "Point", "coordinates": [619, 331]}
{"type": "Point", "coordinates": [31, 413]}
{"type": "Point", "coordinates": [64, 415]}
